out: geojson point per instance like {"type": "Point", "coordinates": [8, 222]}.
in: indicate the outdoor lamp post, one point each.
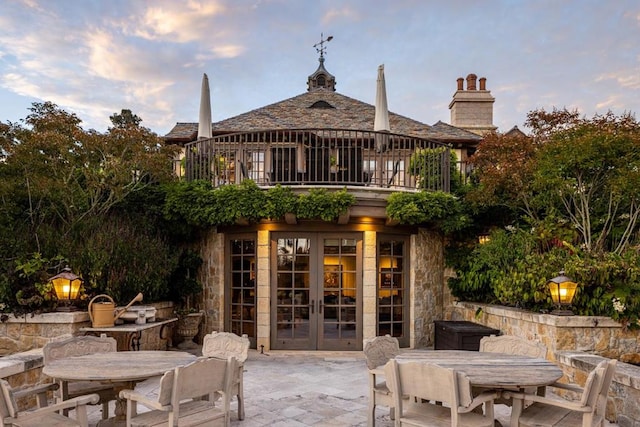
{"type": "Point", "coordinates": [563, 289]}
{"type": "Point", "coordinates": [67, 287]}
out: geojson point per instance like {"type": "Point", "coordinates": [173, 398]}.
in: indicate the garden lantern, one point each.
{"type": "Point", "coordinates": [563, 289]}
{"type": "Point", "coordinates": [67, 287]}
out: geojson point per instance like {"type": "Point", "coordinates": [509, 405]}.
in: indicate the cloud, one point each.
{"type": "Point", "coordinates": [178, 22]}
{"type": "Point", "coordinates": [333, 15]}
{"type": "Point", "coordinates": [626, 79]}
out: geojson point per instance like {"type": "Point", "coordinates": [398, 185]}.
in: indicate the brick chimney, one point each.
{"type": "Point", "coordinates": [472, 109]}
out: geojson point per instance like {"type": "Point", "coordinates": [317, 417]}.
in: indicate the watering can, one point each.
{"type": "Point", "coordinates": [103, 314]}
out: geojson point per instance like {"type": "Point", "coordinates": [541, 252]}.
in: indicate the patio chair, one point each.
{"type": "Point", "coordinates": [377, 352]}
{"type": "Point", "coordinates": [589, 411]}
{"type": "Point", "coordinates": [44, 415]}
{"type": "Point", "coordinates": [80, 346]}
{"type": "Point", "coordinates": [186, 396]}
{"type": "Point", "coordinates": [223, 345]}
{"type": "Point", "coordinates": [511, 344]}
{"type": "Point", "coordinates": [442, 396]}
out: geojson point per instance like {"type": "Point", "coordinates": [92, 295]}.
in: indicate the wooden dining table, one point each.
{"type": "Point", "coordinates": [499, 371]}
{"type": "Point", "coordinates": [122, 368]}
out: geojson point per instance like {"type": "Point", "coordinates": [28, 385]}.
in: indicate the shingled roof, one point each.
{"type": "Point", "coordinates": [322, 108]}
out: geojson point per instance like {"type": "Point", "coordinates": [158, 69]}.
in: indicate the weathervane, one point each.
{"type": "Point", "coordinates": [322, 49]}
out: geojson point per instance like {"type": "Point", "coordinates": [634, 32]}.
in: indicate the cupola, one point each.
{"type": "Point", "coordinates": [321, 78]}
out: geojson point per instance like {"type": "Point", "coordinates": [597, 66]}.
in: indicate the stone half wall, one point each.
{"type": "Point", "coordinates": [427, 286]}
{"type": "Point", "coordinates": [26, 332]}
{"type": "Point", "coordinates": [591, 334]}
{"type": "Point", "coordinates": [32, 331]}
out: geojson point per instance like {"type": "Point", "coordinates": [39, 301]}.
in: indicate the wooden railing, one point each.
{"type": "Point", "coordinates": [323, 157]}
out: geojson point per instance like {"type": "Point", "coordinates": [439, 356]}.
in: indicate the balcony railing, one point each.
{"type": "Point", "coordinates": [322, 157]}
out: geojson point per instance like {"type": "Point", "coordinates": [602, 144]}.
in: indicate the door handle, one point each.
{"type": "Point", "coordinates": [319, 306]}
{"type": "Point", "coordinates": [312, 305]}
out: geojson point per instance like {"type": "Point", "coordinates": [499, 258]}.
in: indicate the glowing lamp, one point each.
{"type": "Point", "coordinates": [562, 289]}
{"type": "Point", "coordinates": [67, 287]}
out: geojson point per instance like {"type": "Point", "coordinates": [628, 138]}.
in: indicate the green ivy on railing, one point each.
{"type": "Point", "coordinates": [441, 210]}
{"type": "Point", "coordinates": [199, 204]}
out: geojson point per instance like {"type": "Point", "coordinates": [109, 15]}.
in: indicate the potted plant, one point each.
{"type": "Point", "coordinates": [184, 290]}
{"type": "Point", "coordinates": [333, 163]}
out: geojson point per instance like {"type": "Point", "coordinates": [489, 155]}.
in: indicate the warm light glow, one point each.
{"type": "Point", "coordinates": [483, 238]}
{"type": "Point", "coordinates": [66, 285]}
{"type": "Point", "coordinates": [562, 289]}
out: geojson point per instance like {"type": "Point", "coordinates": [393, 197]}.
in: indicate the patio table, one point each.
{"type": "Point", "coordinates": [493, 370]}
{"type": "Point", "coordinates": [122, 367]}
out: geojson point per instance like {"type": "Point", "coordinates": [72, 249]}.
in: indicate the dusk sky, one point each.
{"type": "Point", "coordinates": [97, 57]}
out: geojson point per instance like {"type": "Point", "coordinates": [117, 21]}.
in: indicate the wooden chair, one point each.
{"type": "Point", "coordinates": [80, 346]}
{"type": "Point", "coordinates": [186, 396]}
{"type": "Point", "coordinates": [44, 415]}
{"type": "Point", "coordinates": [511, 344]}
{"type": "Point", "coordinates": [442, 396]}
{"type": "Point", "coordinates": [223, 345]}
{"type": "Point", "coordinates": [589, 411]}
{"type": "Point", "coordinates": [377, 352]}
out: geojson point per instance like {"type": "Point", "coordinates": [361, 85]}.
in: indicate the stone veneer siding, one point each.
{"type": "Point", "coordinates": [427, 286]}
{"type": "Point", "coordinates": [211, 275]}
{"type": "Point", "coordinates": [26, 332]}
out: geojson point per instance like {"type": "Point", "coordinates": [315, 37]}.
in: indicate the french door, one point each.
{"type": "Point", "coordinates": [316, 291]}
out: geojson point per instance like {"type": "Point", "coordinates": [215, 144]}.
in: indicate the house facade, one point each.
{"type": "Point", "coordinates": [317, 285]}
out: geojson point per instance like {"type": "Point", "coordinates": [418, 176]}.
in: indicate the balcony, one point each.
{"type": "Point", "coordinates": [320, 157]}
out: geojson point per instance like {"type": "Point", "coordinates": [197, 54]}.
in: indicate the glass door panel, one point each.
{"type": "Point", "coordinates": [243, 288]}
{"type": "Point", "coordinates": [293, 294]}
{"type": "Point", "coordinates": [340, 306]}
{"type": "Point", "coordinates": [392, 304]}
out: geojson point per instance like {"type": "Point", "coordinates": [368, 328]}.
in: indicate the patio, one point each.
{"type": "Point", "coordinates": [304, 389]}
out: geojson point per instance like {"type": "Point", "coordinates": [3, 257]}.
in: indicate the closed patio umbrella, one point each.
{"type": "Point", "coordinates": [204, 120]}
{"type": "Point", "coordinates": [381, 120]}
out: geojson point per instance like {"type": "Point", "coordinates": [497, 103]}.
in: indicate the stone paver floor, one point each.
{"type": "Point", "coordinates": [303, 389]}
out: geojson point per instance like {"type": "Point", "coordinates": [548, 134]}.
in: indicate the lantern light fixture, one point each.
{"type": "Point", "coordinates": [562, 289]}
{"type": "Point", "coordinates": [67, 287]}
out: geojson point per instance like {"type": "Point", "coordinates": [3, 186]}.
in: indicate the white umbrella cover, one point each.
{"type": "Point", "coordinates": [381, 120]}
{"type": "Point", "coordinates": [204, 121]}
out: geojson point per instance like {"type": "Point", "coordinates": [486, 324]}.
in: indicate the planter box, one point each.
{"type": "Point", "coordinates": [460, 335]}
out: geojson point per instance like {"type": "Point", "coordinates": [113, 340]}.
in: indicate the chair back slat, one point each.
{"type": "Point", "coordinates": [379, 350]}
{"type": "Point", "coordinates": [8, 405]}
{"type": "Point", "coordinates": [223, 345]}
{"type": "Point", "coordinates": [606, 384]}
{"type": "Point", "coordinates": [202, 377]}
{"type": "Point", "coordinates": [510, 344]}
{"type": "Point", "coordinates": [593, 385]}
{"type": "Point", "coordinates": [423, 380]}
{"type": "Point", "coordinates": [78, 346]}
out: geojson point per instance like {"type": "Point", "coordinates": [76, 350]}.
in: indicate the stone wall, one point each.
{"type": "Point", "coordinates": [211, 275]}
{"type": "Point", "coordinates": [591, 334]}
{"type": "Point", "coordinates": [32, 331]}
{"type": "Point", "coordinates": [26, 332]}
{"type": "Point", "coordinates": [427, 290]}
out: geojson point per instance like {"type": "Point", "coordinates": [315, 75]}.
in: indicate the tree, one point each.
{"type": "Point", "coordinates": [575, 171]}
{"type": "Point", "coordinates": [60, 183]}
{"type": "Point", "coordinates": [592, 169]}
{"type": "Point", "coordinates": [69, 174]}
{"type": "Point", "coordinates": [505, 166]}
